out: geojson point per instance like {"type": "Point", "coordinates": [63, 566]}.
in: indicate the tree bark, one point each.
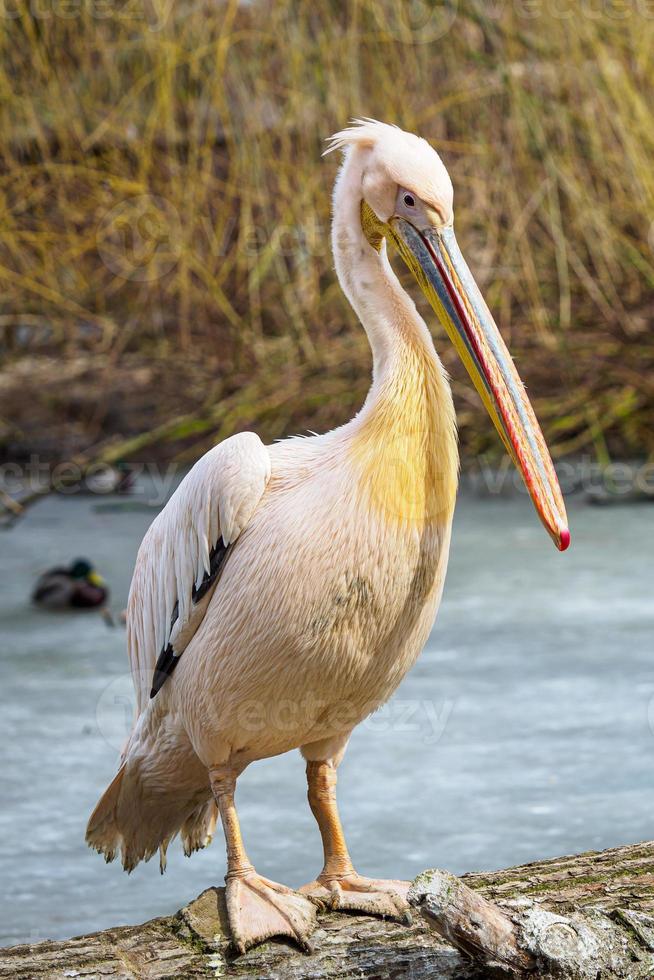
{"type": "Point", "coordinates": [585, 916]}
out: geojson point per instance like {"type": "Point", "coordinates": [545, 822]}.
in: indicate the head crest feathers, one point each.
{"type": "Point", "coordinates": [361, 132]}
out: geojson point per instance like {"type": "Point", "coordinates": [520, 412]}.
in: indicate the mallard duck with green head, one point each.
{"type": "Point", "coordinates": [77, 587]}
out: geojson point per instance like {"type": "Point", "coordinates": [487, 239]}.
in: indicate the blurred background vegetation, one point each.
{"type": "Point", "coordinates": [164, 238]}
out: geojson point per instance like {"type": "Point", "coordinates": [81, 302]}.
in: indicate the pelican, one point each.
{"type": "Point", "coordinates": [284, 591]}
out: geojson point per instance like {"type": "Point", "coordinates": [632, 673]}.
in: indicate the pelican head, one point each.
{"type": "Point", "coordinates": [407, 199]}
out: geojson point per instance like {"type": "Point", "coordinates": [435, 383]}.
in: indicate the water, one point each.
{"type": "Point", "coordinates": [524, 731]}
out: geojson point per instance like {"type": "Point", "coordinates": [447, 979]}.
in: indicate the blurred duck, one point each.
{"type": "Point", "coordinates": [77, 587]}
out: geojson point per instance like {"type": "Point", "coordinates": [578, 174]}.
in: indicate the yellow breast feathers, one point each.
{"type": "Point", "coordinates": [405, 451]}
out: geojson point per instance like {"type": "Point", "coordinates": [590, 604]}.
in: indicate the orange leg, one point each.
{"type": "Point", "coordinates": [338, 885]}
{"type": "Point", "coordinates": [257, 908]}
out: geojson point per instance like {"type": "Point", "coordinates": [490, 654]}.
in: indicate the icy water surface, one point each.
{"type": "Point", "coordinates": [524, 731]}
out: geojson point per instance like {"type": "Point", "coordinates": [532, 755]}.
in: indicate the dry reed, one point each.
{"type": "Point", "coordinates": [163, 201]}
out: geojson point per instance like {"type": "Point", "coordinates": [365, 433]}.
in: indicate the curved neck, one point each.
{"type": "Point", "coordinates": [404, 438]}
{"type": "Point", "coordinates": [385, 310]}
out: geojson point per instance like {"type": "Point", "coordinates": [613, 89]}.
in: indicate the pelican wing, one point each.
{"type": "Point", "coordinates": [181, 556]}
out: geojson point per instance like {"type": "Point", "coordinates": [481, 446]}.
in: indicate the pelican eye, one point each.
{"type": "Point", "coordinates": [409, 200]}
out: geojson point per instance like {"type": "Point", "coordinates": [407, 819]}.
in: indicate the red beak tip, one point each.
{"type": "Point", "coordinates": [564, 540]}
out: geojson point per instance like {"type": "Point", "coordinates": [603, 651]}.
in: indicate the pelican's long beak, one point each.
{"type": "Point", "coordinates": [436, 261]}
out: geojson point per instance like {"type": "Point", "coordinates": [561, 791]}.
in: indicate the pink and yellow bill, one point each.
{"type": "Point", "coordinates": [436, 260]}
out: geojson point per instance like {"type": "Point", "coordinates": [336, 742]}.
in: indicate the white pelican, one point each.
{"type": "Point", "coordinates": [290, 587]}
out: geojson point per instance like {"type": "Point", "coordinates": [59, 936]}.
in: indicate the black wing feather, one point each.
{"type": "Point", "coordinates": [168, 659]}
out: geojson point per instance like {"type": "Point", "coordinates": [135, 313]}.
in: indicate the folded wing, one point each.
{"type": "Point", "coordinates": [182, 555]}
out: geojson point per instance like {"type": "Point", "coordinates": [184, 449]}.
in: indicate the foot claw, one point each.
{"type": "Point", "coordinates": [259, 909]}
{"type": "Point", "coordinates": [322, 903]}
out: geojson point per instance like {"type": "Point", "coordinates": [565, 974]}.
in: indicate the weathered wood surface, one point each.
{"type": "Point", "coordinates": [613, 887]}
{"type": "Point", "coordinates": [526, 940]}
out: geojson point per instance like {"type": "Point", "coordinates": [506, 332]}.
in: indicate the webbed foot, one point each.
{"type": "Point", "coordinates": [259, 909]}
{"type": "Point", "coordinates": [353, 893]}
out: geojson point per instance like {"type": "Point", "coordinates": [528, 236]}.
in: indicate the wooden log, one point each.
{"type": "Point", "coordinates": [472, 924]}
{"type": "Point", "coordinates": [588, 915]}
{"type": "Point", "coordinates": [527, 940]}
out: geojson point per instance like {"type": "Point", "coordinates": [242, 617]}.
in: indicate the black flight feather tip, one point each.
{"type": "Point", "coordinates": [168, 659]}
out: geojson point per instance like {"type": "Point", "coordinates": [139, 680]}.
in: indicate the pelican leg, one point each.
{"type": "Point", "coordinates": [256, 907]}
{"type": "Point", "coordinates": [338, 886]}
